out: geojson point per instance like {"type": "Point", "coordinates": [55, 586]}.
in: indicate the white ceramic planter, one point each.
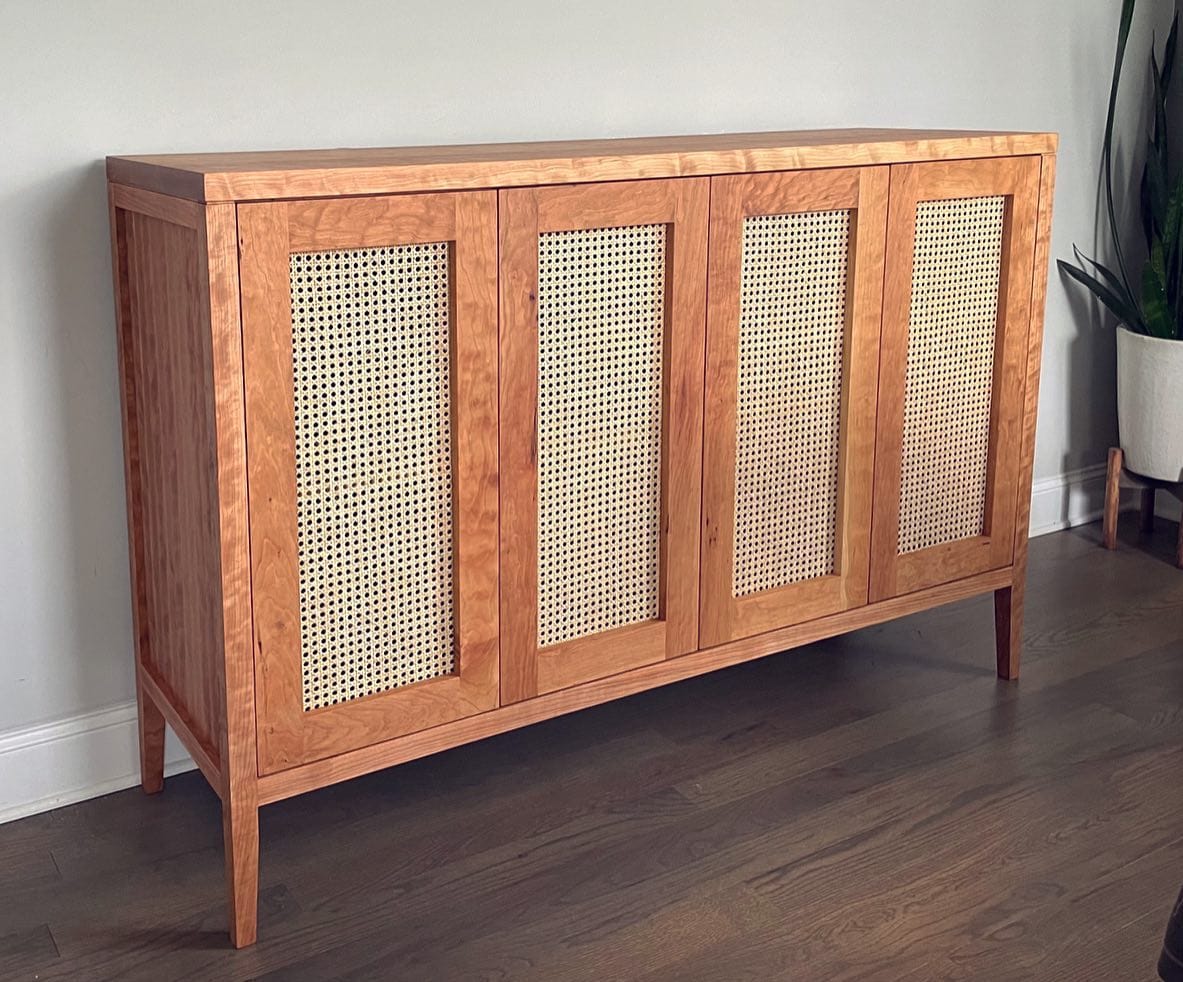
{"type": "Point", "coordinates": [1150, 404]}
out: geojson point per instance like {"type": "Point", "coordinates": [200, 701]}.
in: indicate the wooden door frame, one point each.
{"type": "Point", "coordinates": [1017, 179]}
{"type": "Point", "coordinates": [268, 234]}
{"type": "Point", "coordinates": [725, 617]}
{"type": "Point", "coordinates": [681, 204]}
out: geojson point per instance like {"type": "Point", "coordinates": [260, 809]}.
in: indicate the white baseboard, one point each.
{"type": "Point", "coordinates": [59, 763]}
{"type": "Point", "coordinates": [1066, 500]}
{"type": "Point", "coordinates": [1078, 497]}
{"type": "Point", "coordinates": [44, 767]}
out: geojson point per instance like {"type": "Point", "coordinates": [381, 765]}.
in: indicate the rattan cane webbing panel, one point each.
{"type": "Point", "coordinates": [792, 328]}
{"type": "Point", "coordinates": [950, 374]}
{"type": "Point", "coordinates": [371, 370]}
{"type": "Point", "coordinates": [601, 322]}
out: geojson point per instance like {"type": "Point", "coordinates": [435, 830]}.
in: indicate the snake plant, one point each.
{"type": "Point", "coordinates": [1152, 302]}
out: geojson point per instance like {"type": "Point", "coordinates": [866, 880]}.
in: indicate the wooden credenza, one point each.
{"type": "Point", "coordinates": [426, 444]}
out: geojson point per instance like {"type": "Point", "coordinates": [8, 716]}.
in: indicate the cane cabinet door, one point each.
{"type": "Point", "coordinates": [603, 291]}
{"type": "Point", "coordinates": [956, 311]}
{"type": "Point", "coordinates": [796, 271]}
{"type": "Point", "coordinates": [370, 360]}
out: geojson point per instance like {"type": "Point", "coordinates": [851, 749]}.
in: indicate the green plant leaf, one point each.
{"type": "Point", "coordinates": [1112, 281]}
{"type": "Point", "coordinates": [1123, 36]}
{"type": "Point", "coordinates": [1172, 242]}
{"type": "Point", "coordinates": [1159, 132]}
{"type": "Point", "coordinates": [1156, 187]}
{"type": "Point", "coordinates": [1157, 310]}
{"type": "Point", "coordinates": [1168, 54]}
{"type": "Point", "coordinates": [1153, 303]}
{"type": "Point", "coordinates": [1112, 299]}
{"type": "Point", "coordinates": [1152, 191]}
{"type": "Point", "coordinates": [1145, 208]}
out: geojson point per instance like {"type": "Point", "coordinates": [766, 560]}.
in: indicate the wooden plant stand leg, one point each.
{"type": "Point", "coordinates": [151, 728]}
{"type": "Point", "coordinates": [1112, 498]}
{"type": "Point", "coordinates": [1118, 477]}
{"type": "Point", "coordinates": [1146, 510]}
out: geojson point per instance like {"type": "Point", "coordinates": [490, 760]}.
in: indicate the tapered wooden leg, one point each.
{"type": "Point", "coordinates": [151, 726]}
{"type": "Point", "coordinates": [1147, 510]}
{"type": "Point", "coordinates": [240, 832]}
{"type": "Point", "coordinates": [1112, 498]}
{"type": "Point", "coordinates": [1008, 629]}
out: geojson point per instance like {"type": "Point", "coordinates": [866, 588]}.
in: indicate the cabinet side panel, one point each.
{"type": "Point", "coordinates": [166, 345]}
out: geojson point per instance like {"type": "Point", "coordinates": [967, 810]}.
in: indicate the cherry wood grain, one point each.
{"type": "Point", "coordinates": [296, 780]}
{"type": "Point", "coordinates": [170, 443]}
{"type": "Point", "coordinates": [269, 234]}
{"type": "Point", "coordinates": [344, 223]}
{"type": "Point", "coordinates": [863, 191]}
{"type": "Point", "coordinates": [1016, 178]}
{"type": "Point", "coordinates": [177, 298]}
{"type": "Point", "coordinates": [271, 442]}
{"type": "Point", "coordinates": [161, 700]}
{"type": "Point", "coordinates": [1010, 601]}
{"type": "Point", "coordinates": [518, 438]}
{"type": "Point", "coordinates": [334, 173]}
{"type": "Point", "coordinates": [150, 720]}
{"type": "Point", "coordinates": [237, 745]}
{"type": "Point", "coordinates": [150, 731]}
{"type": "Point", "coordinates": [174, 211]}
{"type": "Point", "coordinates": [527, 668]}
{"type": "Point", "coordinates": [600, 655]}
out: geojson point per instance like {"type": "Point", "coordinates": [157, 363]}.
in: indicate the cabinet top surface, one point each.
{"type": "Point", "coordinates": [378, 170]}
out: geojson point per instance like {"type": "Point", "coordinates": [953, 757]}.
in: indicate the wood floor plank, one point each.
{"type": "Point", "coordinates": [894, 900]}
{"type": "Point", "coordinates": [26, 953]}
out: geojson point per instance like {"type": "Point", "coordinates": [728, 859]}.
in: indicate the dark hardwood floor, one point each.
{"type": "Point", "coordinates": [872, 807]}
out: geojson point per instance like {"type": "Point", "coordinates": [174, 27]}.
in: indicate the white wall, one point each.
{"type": "Point", "coordinates": [84, 79]}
